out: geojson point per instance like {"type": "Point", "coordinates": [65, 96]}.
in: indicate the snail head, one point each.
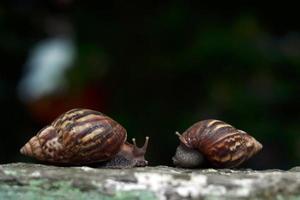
{"type": "Point", "coordinates": [134, 155]}
{"type": "Point", "coordinates": [186, 156]}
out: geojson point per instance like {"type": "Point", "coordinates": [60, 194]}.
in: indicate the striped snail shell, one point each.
{"type": "Point", "coordinates": [220, 143]}
{"type": "Point", "coordinates": [83, 136]}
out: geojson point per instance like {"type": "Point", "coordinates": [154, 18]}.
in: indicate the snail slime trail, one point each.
{"type": "Point", "coordinates": [221, 144]}
{"type": "Point", "coordinates": [83, 136]}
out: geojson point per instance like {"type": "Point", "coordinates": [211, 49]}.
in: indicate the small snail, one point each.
{"type": "Point", "coordinates": [83, 136]}
{"type": "Point", "coordinates": [220, 143]}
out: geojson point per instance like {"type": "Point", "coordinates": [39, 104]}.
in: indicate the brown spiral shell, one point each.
{"type": "Point", "coordinates": [79, 136]}
{"type": "Point", "coordinates": [222, 144]}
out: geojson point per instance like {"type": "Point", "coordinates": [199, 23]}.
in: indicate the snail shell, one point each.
{"type": "Point", "coordinates": [220, 143]}
{"type": "Point", "coordinates": [82, 136]}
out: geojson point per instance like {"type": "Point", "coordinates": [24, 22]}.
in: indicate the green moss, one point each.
{"type": "Point", "coordinates": [45, 190]}
{"type": "Point", "coordinates": [141, 195]}
{"type": "Point", "coordinates": [292, 197]}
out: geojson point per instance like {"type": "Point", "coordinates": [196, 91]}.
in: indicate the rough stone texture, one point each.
{"type": "Point", "coordinates": [34, 181]}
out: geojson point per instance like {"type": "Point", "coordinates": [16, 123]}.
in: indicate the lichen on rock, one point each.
{"type": "Point", "coordinates": [35, 181]}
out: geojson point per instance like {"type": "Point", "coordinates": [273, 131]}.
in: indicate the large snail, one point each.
{"type": "Point", "coordinates": [83, 136]}
{"type": "Point", "coordinates": [219, 142]}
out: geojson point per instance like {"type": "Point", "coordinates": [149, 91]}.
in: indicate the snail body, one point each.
{"type": "Point", "coordinates": [220, 143]}
{"type": "Point", "coordinates": [83, 136]}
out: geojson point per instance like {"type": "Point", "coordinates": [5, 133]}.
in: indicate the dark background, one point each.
{"type": "Point", "coordinates": [155, 67]}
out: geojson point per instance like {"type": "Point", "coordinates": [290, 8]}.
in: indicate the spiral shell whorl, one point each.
{"type": "Point", "coordinates": [44, 145]}
{"type": "Point", "coordinates": [222, 144]}
{"type": "Point", "coordinates": [32, 147]}
{"type": "Point", "coordinates": [78, 136]}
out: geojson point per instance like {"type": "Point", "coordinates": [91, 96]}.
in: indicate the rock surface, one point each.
{"type": "Point", "coordinates": [35, 181]}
